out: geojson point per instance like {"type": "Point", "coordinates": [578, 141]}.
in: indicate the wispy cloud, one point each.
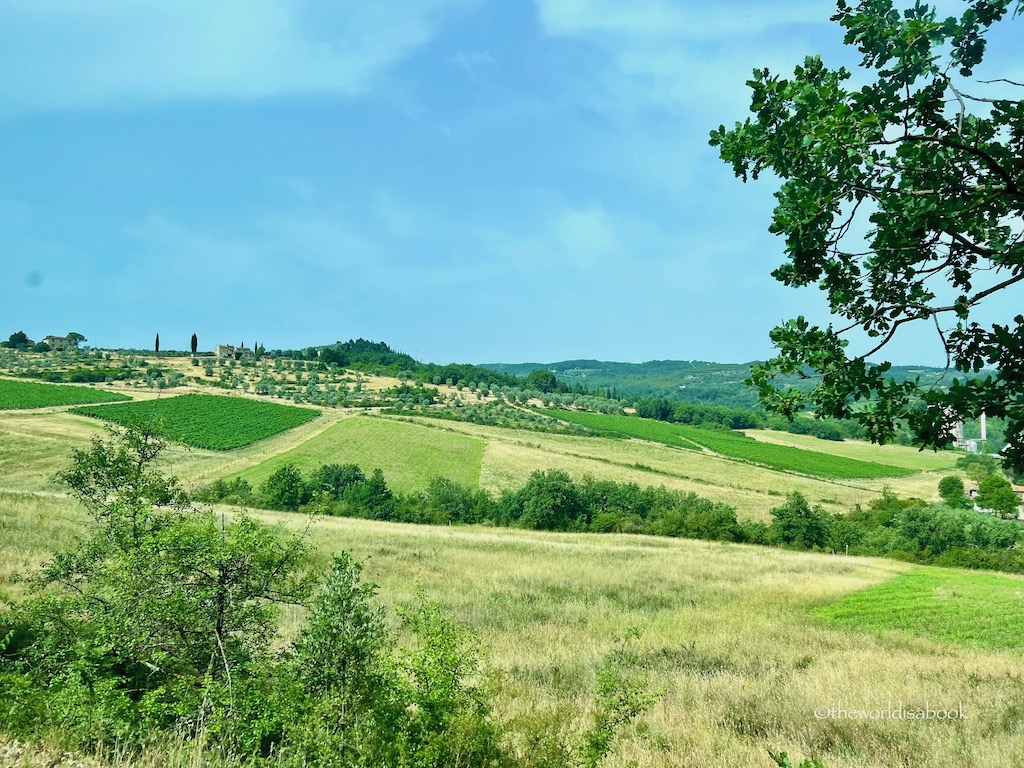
{"type": "Point", "coordinates": [687, 58]}
{"type": "Point", "coordinates": [474, 63]}
{"type": "Point", "coordinates": [62, 54]}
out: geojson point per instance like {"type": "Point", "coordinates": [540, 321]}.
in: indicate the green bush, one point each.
{"type": "Point", "coordinates": [162, 621]}
{"type": "Point", "coordinates": [284, 489]}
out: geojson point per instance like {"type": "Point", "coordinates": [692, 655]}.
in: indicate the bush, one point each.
{"type": "Point", "coordinates": [161, 623]}
{"type": "Point", "coordinates": [797, 524]}
{"type": "Point", "coordinates": [284, 489]}
{"type": "Point", "coordinates": [152, 617]}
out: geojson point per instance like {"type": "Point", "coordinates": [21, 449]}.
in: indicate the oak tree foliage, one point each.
{"type": "Point", "coordinates": [902, 200]}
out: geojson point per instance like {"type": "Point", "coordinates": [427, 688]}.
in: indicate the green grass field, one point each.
{"type": "Point", "coordinates": [28, 394]}
{"type": "Point", "coordinates": [974, 609]}
{"type": "Point", "coordinates": [408, 454]}
{"type": "Point", "coordinates": [734, 445]}
{"type": "Point", "coordinates": [206, 421]}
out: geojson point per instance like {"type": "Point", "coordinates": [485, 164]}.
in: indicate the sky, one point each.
{"type": "Point", "coordinates": [468, 181]}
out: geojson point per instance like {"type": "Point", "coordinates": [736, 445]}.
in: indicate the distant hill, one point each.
{"type": "Point", "coordinates": [693, 381]}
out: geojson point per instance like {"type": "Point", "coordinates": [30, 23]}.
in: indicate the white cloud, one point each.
{"type": "Point", "coordinates": [67, 54]}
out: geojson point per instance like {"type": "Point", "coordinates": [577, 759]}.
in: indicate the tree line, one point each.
{"type": "Point", "coordinates": [702, 415]}
{"type": "Point", "coordinates": [949, 534]}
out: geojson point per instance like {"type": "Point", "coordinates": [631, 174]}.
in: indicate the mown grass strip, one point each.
{"type": "Point", "coordinates": [29, 394]}
{"type": "Point", "coordinates": [973, 609]}
{"type": "Point", "coordinates": [739, 446]}
{"type": "Point", "coordinates": [409, 454]}
{"type": "Point", "coordinates": [206, 421]}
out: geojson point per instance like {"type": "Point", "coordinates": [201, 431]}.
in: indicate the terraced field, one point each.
{"type": "Point", "coordinates": [206, 421]}
{"type": "Point", "coordinates": [30, 394]}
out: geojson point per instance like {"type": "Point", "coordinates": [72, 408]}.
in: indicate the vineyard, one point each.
{"type": "Point", "coordinates": [738, 446]}
{"type": "Point", "coordinates": [734, 445]}
{"type": "Point", "coordinates": [28, 394]}
{"type": "Point", "coordinates": [624, 426]}
{"type": "Point", "coordinates": [206, 421]}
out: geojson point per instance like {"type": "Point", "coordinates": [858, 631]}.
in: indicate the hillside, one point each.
{"type": "Point", "coordinates": [692, 381]}
{"type": "Point", "coordinates": [411, 448]}
{"type": "Point", "coordinates": [547, 606]}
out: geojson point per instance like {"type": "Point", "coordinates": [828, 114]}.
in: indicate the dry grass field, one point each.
{"type": "Point", "coordinates": [726, 633]}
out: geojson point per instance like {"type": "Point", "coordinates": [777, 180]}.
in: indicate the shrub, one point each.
{"type": "Point", "coordinates": [161, 623]}
{"type": "Point", "coordinates": [797, 524]}
{"type": "Point", "coordinates": [284, 489]}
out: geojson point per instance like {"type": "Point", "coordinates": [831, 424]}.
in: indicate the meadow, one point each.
{"type": "Point", "coordinates": [408, 454]}
{"type": "Point", "coordinates": [730, 637]}
{"type": "Point", "coordinates": [29, 394]}
{"type": "Point", "coordinates": [206, 421]}
{"type": "Point", "coordinates": [740, 643]}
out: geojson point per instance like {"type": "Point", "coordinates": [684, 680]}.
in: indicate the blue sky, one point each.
{"type": "Point", "coordinates": [466, 180]}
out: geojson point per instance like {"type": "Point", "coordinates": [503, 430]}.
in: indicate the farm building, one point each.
{"type": "Point", "coordinates": [972, 493]}
{"type": "Point", "coordinates": [231, 352]}
{"type": "Point", "coordinates": [61, 342]}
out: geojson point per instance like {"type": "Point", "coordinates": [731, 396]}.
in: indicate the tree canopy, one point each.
{"type": "Point", "coordinates": [902, 200]}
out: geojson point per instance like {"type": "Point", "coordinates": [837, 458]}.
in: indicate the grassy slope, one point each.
{"type": "Point", "coordinates": [408, 454]}
{"type": "Point", "coordinates": [727, 636]}
{"type": "Point", "coordinates": [36, 444]}
{"type": "Point", "coordinates": [625, 426]}
{"type": "Point", "coordinates": [510, 456]}
{"type": "Point", "coordinates": [733, 445]}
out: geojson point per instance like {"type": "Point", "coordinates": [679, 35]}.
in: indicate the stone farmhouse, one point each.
{"type": "Point", "coordinates": [61, 343]}
{"type": "Point", "coordinates": [972, 494]}
{"type": "Point", "coordinates": [232, 353]}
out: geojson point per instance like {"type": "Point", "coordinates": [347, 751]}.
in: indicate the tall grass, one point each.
{"type": "Point", "coordinates": [727, 634]}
